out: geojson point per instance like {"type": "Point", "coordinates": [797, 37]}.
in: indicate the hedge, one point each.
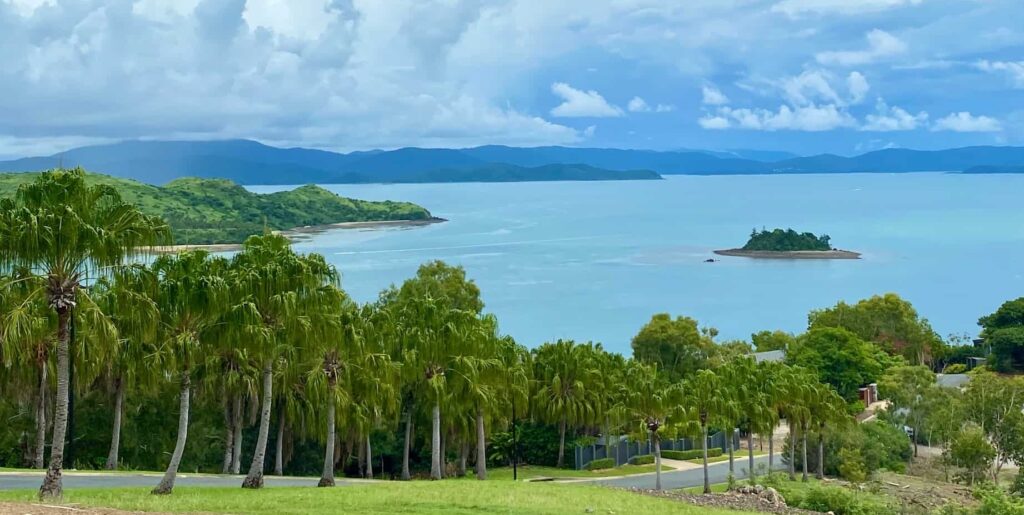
{"type": "Point", "coordinates": [643, 459]}
{"type": "Point", "coordinates": [603, 463]}
{"type": "Point", "coordinates": [691, 454]}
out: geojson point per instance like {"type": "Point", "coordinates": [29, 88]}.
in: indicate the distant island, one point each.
{"type": "Point", "coordinates": [252, 162]}
{"type": "Point", "coordinates": [222, 213]}
{"type": "Point", "coordinates": [788, 244]}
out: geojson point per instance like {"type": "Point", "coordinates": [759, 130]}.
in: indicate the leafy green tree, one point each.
{"type": "Point", "coordinates": [283, 294]}
{"type": "Point", "coordinates": [971, 451]}
{"type": "Point", "coordinates": [908, 389]}
{"type": "Point", "coordinates": [839, 358]}
{"type": "Point", "coordinates": [676, 346]}
{"type": "Point", "coordinates": [888, 321]}
{"type": "Point", "coordinates": [191, 295]}
{"type": "Point", "coordinates": [1004, 334]}
{"type": "Point", "coordinates": [651, 402]}
{"type": "Point", "coordinates": [566, 373]}
{"type": "Point", "coordinates": [995, 404]}
{"type": "Point", "coordinates": [772, 340]}
{"type": "Point", "coordinates": [779, 240]}
{"type": "Point", "coordinates": [68, 232]}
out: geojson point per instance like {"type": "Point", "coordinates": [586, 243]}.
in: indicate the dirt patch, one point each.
{"type": "Point", "coordinates": [18, 508]}
{"type": "Point", "coordinates": [921, 493]}
{"type": "Point", "coordinates": [728, 500]}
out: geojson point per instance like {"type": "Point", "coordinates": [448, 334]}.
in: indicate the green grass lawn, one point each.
{"type": "Point", "coordinates": [449, 497]}
{"type": "Point", "coordinates": [739, 458]}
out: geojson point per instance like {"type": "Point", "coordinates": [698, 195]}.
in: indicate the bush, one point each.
{"type": "Point", "coordinates": [643, 459]}
{"type": "Point", "coordinates": [880, 445]}
{"type": "Point", "coordinates": [995, 502]}
{"type": "Point", "coordinates": [851, 466]}
{"type": "Point", "coordinates": [601, 464]}
{"type": "Point", "coordinates": [836, 499]}
{"type": "Point", "coordinates": [692, 454]}
{"type": "Point", "coordinates": [955, 368]}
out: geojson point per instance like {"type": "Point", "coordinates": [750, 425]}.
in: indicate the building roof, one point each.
{"type": "Point", "coordinates": [771, 355]}
{"type": "Point", "coordinates": [952, 380]}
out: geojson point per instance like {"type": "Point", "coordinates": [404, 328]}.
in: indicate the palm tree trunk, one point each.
{"type": "Point", "coordinates": [236, 439]}
{"type": "Point", "coordinates": [435, 442]}
{"type": "Point", "coordinates": [327, 475]}
{"type": "Point", "coordinates": [167, 483]}
{"type": "Point", "coordinates": [254, 479]}
{"type": "Point", "coordinates": [463, 457]}
{"type": "Point", "coordinates": [52, 485]}
{"type": "Point", "coordinates": [657, 460]}
{"type": "Point", "coordinates": [771, 451]}
{"type": "Point", "coordinates": [408, 442]}
{"type": "Point", "coordinates": [39, 459]}
{"type": "Point", "coordinates": [704, 449]}
{"type": "Point", "coordinates": [229, 434]}
{"type": "Point", "coordinates": [115, 433]}
{"type": "Point", "coordinates": [792, 452]}
{"type": "Point", "coordinates": [803, 437]}
{"type": "Point", "coordinates": [444, 455]}
{"type": "Point", "coordinates": [750, 456]}
{"type": "Point", "coordinates": [728, 445]}
{"type": "Point", "coordinates": [279, 444]}
{"type": "Point", "coordinates": [481, 447]}
{"type": "Point", "coordinates": [561, 444]}
{"type": "Point", "coordinates": [360, 456]}
{"type": "Point", "coordinates": [369, 457]}
{"type": "Point", "coordinates": [821, 452]}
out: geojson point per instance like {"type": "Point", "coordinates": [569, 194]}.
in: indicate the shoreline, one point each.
{"type": "Point", "coordinates": [790, 254]}
{"type": "Point", "coordinates": [299, 233]}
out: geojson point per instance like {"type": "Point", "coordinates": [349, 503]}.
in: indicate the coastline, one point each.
{"type": "Point", "coordinates": [299, 233]}
{"type": "Point", "coordinates": [794, 254]}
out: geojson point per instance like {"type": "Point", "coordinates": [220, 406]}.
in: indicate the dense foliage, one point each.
{"type": "Point", "coordinates": [203, 211]}
{"type": "Point", "coordinates": [788, 240]}
{"type": "Point", "coordinates": [1004, 334]}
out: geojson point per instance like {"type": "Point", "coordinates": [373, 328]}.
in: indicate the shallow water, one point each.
{"type": "Point", "coordinates": [593, 261]}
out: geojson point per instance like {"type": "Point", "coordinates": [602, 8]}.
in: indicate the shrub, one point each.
{"type": "Point", "coordinates": [643, 459]}
{"type": "Point", "coordinates": [1018, 485]}
{"type": "Point", "coordinates": [971, 451]}
{"type": "Point", "coordinates": [955, 368]}
{"type": "Point", "coordinates": [994, 501]}
{"type": "Point", "coordinates": [692, 454]}
{"type": "Point", "coordinates": [836, 499]}
{"type": "Point", "coordinates": [851, 466]}
{"type": "Point", "coordinates": [601, 464]}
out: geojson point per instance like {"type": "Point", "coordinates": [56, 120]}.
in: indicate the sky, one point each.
{"type": "Point", "coordinates": [804, 76]}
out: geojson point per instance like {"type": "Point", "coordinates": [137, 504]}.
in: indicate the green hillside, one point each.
{"type": "Point", "coordinates": [220, 211]}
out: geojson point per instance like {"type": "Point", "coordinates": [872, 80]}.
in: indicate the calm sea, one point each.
{"type": "Point", "coordinates": [593, 261]}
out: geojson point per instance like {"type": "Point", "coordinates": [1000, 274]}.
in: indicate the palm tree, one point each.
{"type": "Point", "coordinates": [67, 232]}
{"type": "Point", "coordinates": [798, 387]}
{"type": "Point", "coordinates": [829, 409]}
{"type": "Point", "coordinates": [566, 372]}
{"type": "Point", "coordinates": [191, 295]}
{"type": "Point", "coordinates": [336, 349]}
{"type": "Point", "coordinates": [704, 396]}
{"type": "Point", "coordinates": [129, 302]}
{"type": "Point", "coordinates": [282, 297]}
{"type": "Point", "coordinates": [749, 383]}
{"type": "Point", "coordinates": [652, 402]}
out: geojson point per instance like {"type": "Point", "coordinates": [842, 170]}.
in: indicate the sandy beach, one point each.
{"type": "Point", "coordinates": [797, 254]}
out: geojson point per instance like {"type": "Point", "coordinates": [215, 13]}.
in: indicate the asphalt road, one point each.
{"type": "Point", "coordinates": [32, 480]}
{"type": "Point", "coordinates": [717, 473]}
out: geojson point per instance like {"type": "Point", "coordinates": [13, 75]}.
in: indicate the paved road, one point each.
{"type": "Point", "coordinates": [32, 480]}
{"type": "Point", "coordinates": [717, 473]}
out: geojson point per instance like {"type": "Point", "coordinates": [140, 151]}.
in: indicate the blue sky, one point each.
{"type": "Point", "coordinates": [806, 76]}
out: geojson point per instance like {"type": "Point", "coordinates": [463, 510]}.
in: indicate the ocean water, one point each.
{"type": "Point", "coordinates": [593, 261]}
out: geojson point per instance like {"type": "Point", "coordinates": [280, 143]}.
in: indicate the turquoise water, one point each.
{"type": "Point", "coordinates": [593, 261]}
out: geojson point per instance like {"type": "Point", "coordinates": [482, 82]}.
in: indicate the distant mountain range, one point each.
{"type": "Point", "coordinates": [249, 162]}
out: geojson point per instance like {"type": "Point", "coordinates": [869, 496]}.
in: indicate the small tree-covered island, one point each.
{"type": "Point", "coordinates": [788, 244]}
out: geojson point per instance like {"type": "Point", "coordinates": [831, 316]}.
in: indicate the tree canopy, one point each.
{"type": "Point", "coordinates": [676, 345]}
{"type": "Point", "coordinates": [778, 240]}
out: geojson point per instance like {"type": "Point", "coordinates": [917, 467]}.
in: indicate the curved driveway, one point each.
{"type": "Point", "coordinates": [717, 473]}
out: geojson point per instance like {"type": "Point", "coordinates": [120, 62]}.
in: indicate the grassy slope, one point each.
{"type": "Point", "coordinates": [449, 497]}
{"type": "Point", "coordinates": [220, 211]}
{"type": "Point", "coordinates": [532, 471]}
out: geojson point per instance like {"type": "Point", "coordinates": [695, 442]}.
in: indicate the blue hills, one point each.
{"type": "Point", "coordinates": [250, 162]}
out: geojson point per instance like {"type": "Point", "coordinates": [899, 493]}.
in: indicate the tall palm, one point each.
{"type": "Point", "coordinates": [651, 402]}
{"type": "Point", "coordinates": [191, 295]}
{"type": "Point", "coordinates": [799, 387]}
{"type": "Point", "coordinates": [749, 382]}
{"type": "Point", "coordinates": [128, 300]}
{"type": "Point", "coordinates": [829, 410]}
{"type": "Point", "coordinates": [704, 396]}
{"type": "Point", "coordinates": [282, 296]}
{"type": "Point", "coordinates": [477, 380]}
{"type": "Point", "coordinates": [566, 373]}
{"type": "Point", "coordinates": [67, 232]}
{"type": "Point", "coordinates": [330, 360]}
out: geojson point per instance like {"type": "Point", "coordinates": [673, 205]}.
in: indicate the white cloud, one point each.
{"type": "Point", "coordinates": [887, 119]}
{"type": "Point", "coordinates": [809, 87]}
{"type": "Point", "coordinates": [1015, 69]}
{"type": "Point", "coordinates": [301, 19]}
{"type": "Point", "coordinates": [712, 96]}
{"type": "Point", "coordinates": [810, 118]}
{"type": "Point", "coordinates": [578, 103]}
{"type": "Point", "coordinates": [638, 105]}
{"type": "Point", "coordinates": [714, 122]}
{"type": "Point", "coordinates": [664, 108]}
{"type": "Point", "coordinates": [589, 131]}
{"type": "Point", "coordinates": [795, 8]}
{"type": "Point", "coordinates": [964, 121]}
{"type": "Point", "coordinates": [27, 7]}
{"type": "Point", "coordinates": [858, 87]}
{"type": "Point", "coordinates": [881, 44]}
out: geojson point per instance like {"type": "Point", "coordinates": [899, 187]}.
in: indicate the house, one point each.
{"type": "Point", "coordinates": [952, 380]}
{"type": "Point", "coordinates": [771, 355]}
